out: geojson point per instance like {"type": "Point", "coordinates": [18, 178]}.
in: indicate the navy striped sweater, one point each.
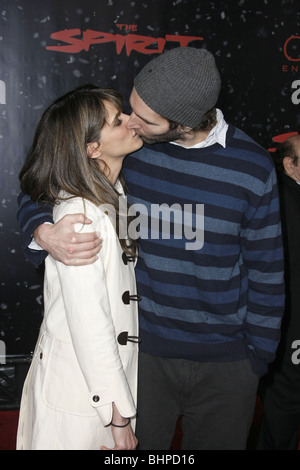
{"type": "Point", "coordinates": [216, 294]}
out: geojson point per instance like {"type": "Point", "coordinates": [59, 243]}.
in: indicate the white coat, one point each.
{"type": "Point", "coordinates": [79, 367]}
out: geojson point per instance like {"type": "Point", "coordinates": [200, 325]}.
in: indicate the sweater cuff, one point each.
{"type": "Point", "coordinates": [36, 257]}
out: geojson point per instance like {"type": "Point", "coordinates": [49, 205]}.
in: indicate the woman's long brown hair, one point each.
{"type": "Point", "coordinates": [57, 160]}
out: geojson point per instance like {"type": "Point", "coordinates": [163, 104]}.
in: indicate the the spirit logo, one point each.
{"type": "Point", "coordinates": [77, 40]}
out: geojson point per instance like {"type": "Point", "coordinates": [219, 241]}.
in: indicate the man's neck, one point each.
{"type": "Point", "coordinates": [192, 138]}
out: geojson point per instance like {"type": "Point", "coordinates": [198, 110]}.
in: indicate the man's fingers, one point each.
{"type": "Point", "coordinates": [84, 249]}
{"type": "Point", "coordinates": [79, 261]}
{"type": "Point", "coordinates": [77, 219]}
{"type": "Point", "coordinates": [91, 239]}
{"type": "Point", "coordinates": [72, 248]}
{"type": "Point", "coordinates": [84, 255]}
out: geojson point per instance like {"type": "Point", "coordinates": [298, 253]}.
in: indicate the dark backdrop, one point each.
{"type": "Point", "coordinates": [51, 46]}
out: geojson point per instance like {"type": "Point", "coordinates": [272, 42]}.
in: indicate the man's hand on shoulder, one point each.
{"type": "Point", "coordinates": [65, 245]}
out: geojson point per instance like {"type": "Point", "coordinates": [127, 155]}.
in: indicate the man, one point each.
{"type": "Point", "coordinates": [211, 307]}
{"type": "Point", "coordinates": [281, 387]}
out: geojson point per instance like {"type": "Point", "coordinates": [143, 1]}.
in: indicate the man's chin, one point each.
{"type": "Point", "coordinates": [149, 140]}
{"type": "Point", "coordinates": [155, 140]}
{"type": "Point", "coordinates": [169, 136]}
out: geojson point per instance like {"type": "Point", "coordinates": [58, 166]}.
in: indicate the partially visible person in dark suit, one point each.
{"type": "Point", "coordinates": [281, 387]}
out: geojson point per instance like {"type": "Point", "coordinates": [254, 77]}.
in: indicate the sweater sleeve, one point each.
{"type": "Point", "coordinates": [264, 259]}
{"type": "Point", "coordinates": [30, 215]}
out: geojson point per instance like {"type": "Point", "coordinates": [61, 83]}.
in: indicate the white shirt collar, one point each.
{"type": "Point", "coordinates": [216, 135]}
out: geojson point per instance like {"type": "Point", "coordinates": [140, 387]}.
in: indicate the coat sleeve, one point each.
{"type": "Point", "coordinates": [87, 307]}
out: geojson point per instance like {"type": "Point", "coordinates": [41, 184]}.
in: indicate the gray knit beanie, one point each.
{"type": "Point", "coordinates": [181, 84]}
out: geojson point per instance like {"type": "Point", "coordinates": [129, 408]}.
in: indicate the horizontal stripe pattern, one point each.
{"type": "Point", "coordinates": [230, 291]}
{"type": "Point", "coordinates": [223, 301]}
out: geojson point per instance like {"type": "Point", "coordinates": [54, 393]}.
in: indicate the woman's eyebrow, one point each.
{"type": "Point", "coordinates": [116, 118]}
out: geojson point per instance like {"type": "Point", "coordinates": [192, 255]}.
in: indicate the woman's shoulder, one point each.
{"type": "Point", "coordinates": [69, 204]}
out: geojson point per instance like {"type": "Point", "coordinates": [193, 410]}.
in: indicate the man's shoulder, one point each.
{"type": "Point", "coordinates": [239, 138]}
{"type": "Point", "coordinates": [244, 147]}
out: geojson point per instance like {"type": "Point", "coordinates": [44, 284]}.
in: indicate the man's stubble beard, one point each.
{"type": "Point", "coordinates": [170, 136]}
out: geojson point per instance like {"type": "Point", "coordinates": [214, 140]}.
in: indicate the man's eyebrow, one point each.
{"type": "Point", "coordinates": [145, 120]}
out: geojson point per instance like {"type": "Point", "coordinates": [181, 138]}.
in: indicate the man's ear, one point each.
{"type": "Point", "coordinates": [93, 150]}
{"type": "Point", "coordinates": [288, 165]}
{"type": "Point", "coordinates": [185, 129]}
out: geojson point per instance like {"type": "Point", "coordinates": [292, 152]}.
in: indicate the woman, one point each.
{"type": "Point", "coordinates": [80, 392]}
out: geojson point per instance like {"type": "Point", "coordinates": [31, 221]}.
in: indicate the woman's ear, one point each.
{"type": "Point", "coordinates": [93, 150]}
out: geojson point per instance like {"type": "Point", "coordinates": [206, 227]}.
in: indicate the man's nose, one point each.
{"type": "Point", "coordinates": [133, 122]}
